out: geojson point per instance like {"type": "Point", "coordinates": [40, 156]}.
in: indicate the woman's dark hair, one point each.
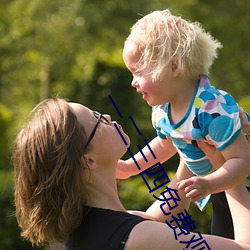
{"type": "Point", "coordinates": [49, 179]}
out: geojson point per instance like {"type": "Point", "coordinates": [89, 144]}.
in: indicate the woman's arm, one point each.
{"type": "Point", "coordinates": [159, 236]}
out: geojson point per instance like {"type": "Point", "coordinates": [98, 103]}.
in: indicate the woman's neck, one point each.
{"type": "Point", "coordinates": [102, 189]}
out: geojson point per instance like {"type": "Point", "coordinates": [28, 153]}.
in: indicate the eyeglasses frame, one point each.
{"type": "Point", "coordinates": [102, 118]}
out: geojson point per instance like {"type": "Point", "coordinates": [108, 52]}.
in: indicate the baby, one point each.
{"type": "Point", "coordinates": [170, 59]}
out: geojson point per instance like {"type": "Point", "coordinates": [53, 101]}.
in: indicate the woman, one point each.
{"type": "Point", "coordinates": [65, 187]}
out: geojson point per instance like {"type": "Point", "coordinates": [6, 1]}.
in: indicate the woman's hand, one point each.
{"type": "Point", "coordinates": [215, 157]}
{"type": "Point", "coordinates": [245, 124]}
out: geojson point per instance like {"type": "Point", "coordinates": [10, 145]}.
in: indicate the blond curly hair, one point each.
{"type": "Point", "coordinates": [160, 36]}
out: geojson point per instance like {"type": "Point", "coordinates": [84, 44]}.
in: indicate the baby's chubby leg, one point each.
{"type": "Point", "coordinates": [155, 211]}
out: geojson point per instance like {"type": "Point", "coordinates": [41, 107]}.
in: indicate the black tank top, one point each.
{"type": "Point", "coordinates": [102, 229]}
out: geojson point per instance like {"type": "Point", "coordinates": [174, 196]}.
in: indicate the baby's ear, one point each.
{"type": "Point", "coordinates": [175, 66]}
{"type": "Point", "coordinates": [89, 161]}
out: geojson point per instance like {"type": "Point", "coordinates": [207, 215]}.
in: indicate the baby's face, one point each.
{"type": "Point", "coordinates": [153, 92]}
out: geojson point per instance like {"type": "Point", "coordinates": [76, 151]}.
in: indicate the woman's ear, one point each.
{"type": "Point", "coordinates": [90, 161]}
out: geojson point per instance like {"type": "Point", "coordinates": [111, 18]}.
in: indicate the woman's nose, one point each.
{"type": "Point", "coordinates": [108, 117]}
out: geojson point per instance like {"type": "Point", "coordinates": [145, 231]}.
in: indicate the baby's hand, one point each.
{"type": "Point", "coordinates": [122, 171]}
{"type": "Point", "coordinates": [194, 187]}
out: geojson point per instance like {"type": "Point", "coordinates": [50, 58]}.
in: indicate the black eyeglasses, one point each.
{"type": "Point", "coordinates": [100, 118]}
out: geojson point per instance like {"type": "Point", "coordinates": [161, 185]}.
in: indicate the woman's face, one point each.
{"type": "Point", "coordinates": [106, 140]}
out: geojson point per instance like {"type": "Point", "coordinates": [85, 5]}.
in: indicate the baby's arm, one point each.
{"type": "Point", "coordinates": [234, 171]}
{"type": "Point", "coordinates": [162, 149]}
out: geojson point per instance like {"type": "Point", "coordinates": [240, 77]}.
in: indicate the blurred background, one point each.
{"type": "Point", "coordinates": [72, 48]}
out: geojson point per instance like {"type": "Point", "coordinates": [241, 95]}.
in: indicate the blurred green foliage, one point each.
{"type": "Point", "coordinates": [72, 48]}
